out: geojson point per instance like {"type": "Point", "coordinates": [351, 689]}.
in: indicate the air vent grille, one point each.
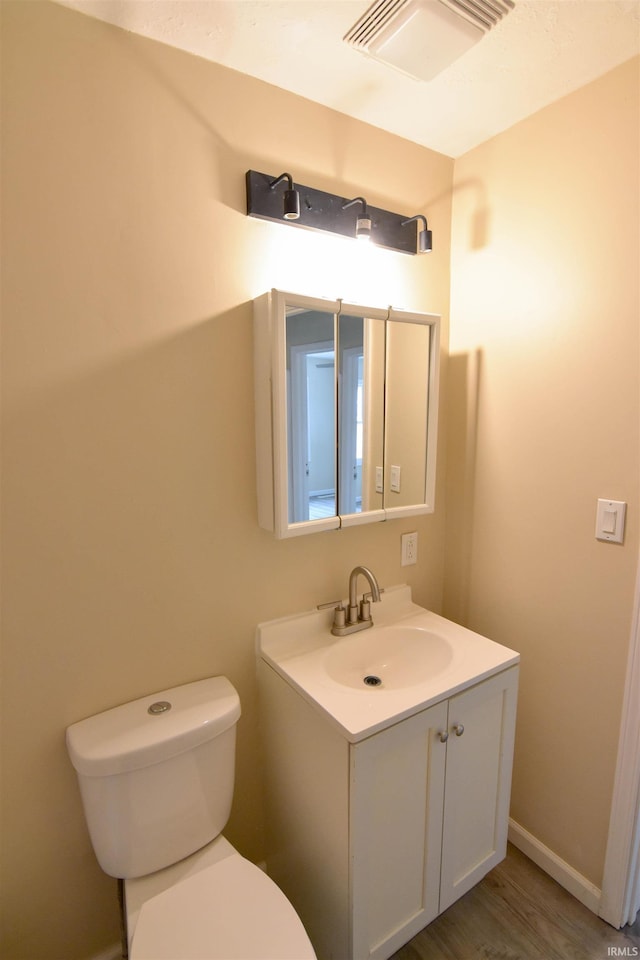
{"type": "Point", "coordinates": [484, 13]}
{"type": "Point", "coordinates": [372, 22]}
{"type": "Point", "coordinates": [381, 14]}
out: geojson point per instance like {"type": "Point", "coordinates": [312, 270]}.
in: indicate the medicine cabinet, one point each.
{"type": "Point", "coordinates": [346, 412]}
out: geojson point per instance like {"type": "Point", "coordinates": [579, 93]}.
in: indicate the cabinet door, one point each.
{"type": "Point", "coordinates": [397, 781]}
{"type": "Point", "coordinates": [478, 783]}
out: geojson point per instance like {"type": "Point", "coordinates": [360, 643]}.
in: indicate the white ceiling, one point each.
{"type": "Point", "coordinates": [542, 50]}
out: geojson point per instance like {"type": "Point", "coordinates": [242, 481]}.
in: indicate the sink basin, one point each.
{"type": "Point", "coordinates": [388, 658]}
{"type": "Point", "coordinates": [418, 657]}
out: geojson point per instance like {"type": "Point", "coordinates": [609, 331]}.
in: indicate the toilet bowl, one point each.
{"type": "Point", "coordinates": [156, 778]}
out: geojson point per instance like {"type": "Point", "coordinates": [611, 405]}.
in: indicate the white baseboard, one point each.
{"type": "Point", "coordinates": [562, 872]}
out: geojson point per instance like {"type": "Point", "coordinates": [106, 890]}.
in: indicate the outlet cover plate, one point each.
{"type": "Point", "coordinates": [409, 549]}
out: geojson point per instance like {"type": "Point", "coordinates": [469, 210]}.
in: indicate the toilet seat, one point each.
{"type": "Point", "coordinates": [229, 911]}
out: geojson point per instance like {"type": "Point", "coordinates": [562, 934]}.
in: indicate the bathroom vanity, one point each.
{"type": "Point", "coordinates": [388, 759]}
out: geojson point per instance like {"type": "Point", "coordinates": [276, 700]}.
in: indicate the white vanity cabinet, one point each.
{"type": "Point", "coordinates": [371, 840]}
{"type": "Point", "coordinates": [397, 801]}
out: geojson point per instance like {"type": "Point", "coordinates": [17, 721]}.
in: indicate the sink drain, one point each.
{"type": "Point", "coordinates": [372, 681]}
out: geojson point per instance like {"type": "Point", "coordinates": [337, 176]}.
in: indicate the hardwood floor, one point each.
{"type": "Point", "coordinates": [519, 913]}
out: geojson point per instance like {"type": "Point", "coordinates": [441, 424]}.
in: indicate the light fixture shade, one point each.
{"type": "Point", "coordinates": [363, 228]}
{"type": "Point", "coordinates": [425, 236]}
{"type": "Point", "coordinates": [363, 220]}
{"type": "Point", "coordinates": [291, 205]}
{"type": "Point", "coordinates": [291, 197]}
{"type": "Point", "coordinates": [425, 241]}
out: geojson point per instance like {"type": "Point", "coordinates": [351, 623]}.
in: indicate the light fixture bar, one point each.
{"type": "Point", "coordinates": [326, 211]}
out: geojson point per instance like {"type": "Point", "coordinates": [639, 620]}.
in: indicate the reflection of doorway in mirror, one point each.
{"type": "Point", "coordinates": [311, 432]}
{"type": "Point", "coordinates": [351, 430]}
{"type": "Point", "coordinates": [321, 391]}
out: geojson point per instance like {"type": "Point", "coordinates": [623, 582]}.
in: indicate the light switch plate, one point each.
{"type": "Point", "coordinates": [395, 479]}
{"type": "Point", "coordinates": [610, 519]}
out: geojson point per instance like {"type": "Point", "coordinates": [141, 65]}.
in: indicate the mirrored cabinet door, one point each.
{"type": "Point", "coordinates": [346, 409]}
{"type": "Point", "coordinates": [296, 421]}
{"type": "Point", "coordinates": [411, 406]}
{"type": "Point", "coordinates": [310, 345]}
{"type": "Point", "coordinates": [361, 353]}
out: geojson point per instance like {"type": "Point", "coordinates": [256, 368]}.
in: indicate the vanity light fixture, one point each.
{"type": "Point", "coordinates": [291, 199]}
{"type": "Point", "coordinates": [425, 236]}
{"type": "Point", "coordinates": [363, 223]}
{"type": "Point", "coordinates": [317, 210]}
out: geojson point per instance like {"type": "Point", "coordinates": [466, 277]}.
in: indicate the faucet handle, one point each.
{"type": "Point", "coordinates": [339, 612]}
{"type": "Point", "coordinates": [339, 616]}
{"type": "Point", "coordinates": [365, 604]}
{"type": "Point", "coordinates": [367, 597]}
{"type": "Point", "coordinates": [331, 603]}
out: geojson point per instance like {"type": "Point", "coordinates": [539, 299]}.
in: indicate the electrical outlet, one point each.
{"type": "Point", "coordinates": [409, 549]}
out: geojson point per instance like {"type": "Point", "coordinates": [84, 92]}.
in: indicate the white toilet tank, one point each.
{"type": "Point", "coordinates": [156, 775]}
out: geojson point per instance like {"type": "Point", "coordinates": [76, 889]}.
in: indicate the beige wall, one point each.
{"type": "Point", "coordinates": [544, 386]}
{"type": "Point", "coordinates": [132, 556]}
{"type": "Point", "coordinates": [132, 559]}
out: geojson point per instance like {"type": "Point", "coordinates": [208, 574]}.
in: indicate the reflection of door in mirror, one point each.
{"type": "Point", "coordinates": [350, 388]}
{"type": "Point", "coordinates": [360, 412]}
{"type": "Point", "coordinates": [407, 385]}
{"type": "Point", "coordinates": [350, 430]}
{"type": "Point", "coordinates": [311, 420]}
{"type": "Point", "coordinates": [373, 400]}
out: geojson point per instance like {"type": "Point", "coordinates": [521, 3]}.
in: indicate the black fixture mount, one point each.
{"type": "Point", "coordinates": [318, 210]}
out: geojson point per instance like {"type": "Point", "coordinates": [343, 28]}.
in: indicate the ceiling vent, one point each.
{"type": "Point", "coordinates": [423, 37]}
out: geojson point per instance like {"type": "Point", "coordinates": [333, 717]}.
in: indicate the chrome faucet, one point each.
{"type": "Point", "coordinates": [354, 617]}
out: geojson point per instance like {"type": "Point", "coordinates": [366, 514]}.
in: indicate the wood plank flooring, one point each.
{"type": "Point", "coordinates": [519, 913]}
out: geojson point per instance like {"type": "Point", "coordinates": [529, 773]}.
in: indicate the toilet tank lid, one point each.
{"type": "Point", "coordinates": [132, 736]}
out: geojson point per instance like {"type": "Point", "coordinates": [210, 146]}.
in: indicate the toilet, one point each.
{"type": "Point", "coordinates": [156, 777]}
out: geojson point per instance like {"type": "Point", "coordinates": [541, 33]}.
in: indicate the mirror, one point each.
{"type": "Point", "coordinates": [311, 414]}
{"type": "Point", "coordinates": [360, 412]}
{"type": "Point", "coordinates": [335, 416]}
{"type": "Point", "coordinates": [346, 412]}
{"type": "Point", "coordinates": [407, 409]}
